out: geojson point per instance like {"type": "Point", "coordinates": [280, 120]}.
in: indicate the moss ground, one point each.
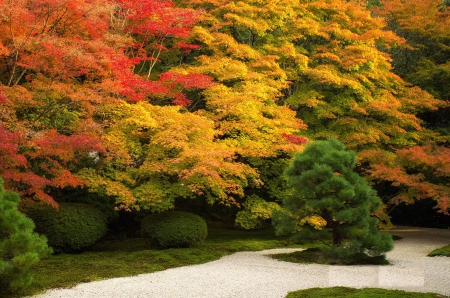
{"type": "Point", "coordinates": [443, 251]}
{"type": "Point", "coordinates": [338, 292]}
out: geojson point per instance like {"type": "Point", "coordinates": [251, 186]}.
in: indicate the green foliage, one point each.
{"type": "Point", "coordinates": [328, 193]}
{"type": "Point", "coordinates": [270, 170]}
{"type": "Point", "coordinates": [72, 228]}
{"type": "Point", "coordinates": [96, 198]}
{"type": "Point", "coordinates": [174, 229]}
{"type": "Point", "coordinates": [443, 251]}
{"type": "Point", "coordinates": [20, 247]}
{"type": "Point", "coordinates": [256, 212]}
{"type": "Point", "coordinates": [128, 257]}
{"type": "Point", "coordinates": [316, 255]}
{"type": "Point", "coordinates": [339, 292]}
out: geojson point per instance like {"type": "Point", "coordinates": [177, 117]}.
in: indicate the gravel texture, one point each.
{"type": "Point", "coordinates": [255, 274]}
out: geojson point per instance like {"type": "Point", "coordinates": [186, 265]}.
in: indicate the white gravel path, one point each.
{"type": "Point", "coordinates": [254, 274]}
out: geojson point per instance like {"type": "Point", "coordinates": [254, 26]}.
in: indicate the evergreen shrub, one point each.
{"type": "Point", "coordinates": [20, 247]}
{"type": "Point", "coordinates": [173, 229]}
{"type": "Point", "coordinates": [72, 228]}
{"type": "Point", "coordinates": [331, 202]}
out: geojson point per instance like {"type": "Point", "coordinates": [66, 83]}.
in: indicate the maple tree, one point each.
{"type": "Point", "coordinates": [244, 103]}
{"type": "Point", "coordinates": [424, 59]}
{"type": "Point", "coordinates": [321, 59]}
{"type": "Point", "coordinates": [347, 89]}
{"type": "Point", "coordinates": [419, 171]}
{"type": "Point", "coordinates": [159, 154]}
{"type": "Point", "coordinates": [61, 61]}
{"type": "Point", "coordinates": [415, 173]}
{"type": "Point", "coordinates": [48, 49]}
{"type": "Point", "coordinates": [152, 101]}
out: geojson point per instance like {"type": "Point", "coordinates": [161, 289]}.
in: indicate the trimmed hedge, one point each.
{"type": "Point", "coordinates": [72, 228]}
{"type": "Point", "coordinates": [173, 229]}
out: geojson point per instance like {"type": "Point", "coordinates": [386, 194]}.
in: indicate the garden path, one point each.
{"type": "Point", "coordinates": [254, 274]}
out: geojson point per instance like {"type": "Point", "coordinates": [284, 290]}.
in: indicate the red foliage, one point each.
{"type": "Point", "coordinates": [46, 161]}
{"type": "Point", "coordinates": [3, 98]}
{"type": "Point", "coordinates": [136, 88]}
{"type": "Point", "coordinates": [9, 150]}
{"type": "Point", "coordinates": [176, 83]}
{"type": "Point", "coordinates": [294, 139]}
{"type": "Point", "coordinates": [150, 18]}
{"type": "Point", "coordinates": [186, 81]}
{"type": "Point", "coordinates": [187, 48]}
{"type": "Point", "coordinates": [63, 149]}
{"type": "Point", "coordinates": [181, 100]}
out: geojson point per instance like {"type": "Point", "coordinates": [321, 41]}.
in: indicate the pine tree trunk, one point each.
{"type": "Point", "coordinates": [336, 234]}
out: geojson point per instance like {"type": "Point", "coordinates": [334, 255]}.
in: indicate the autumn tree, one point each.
{"type": "Point", "coordinates": [418, 172]}
{"type": "Point", "coordinates": [159, 154]}
{"type": "Point", "coordinates": [323, 60]}
{"type": "Point", "coordinates": [341, 85]}
{"type": "Point", "coordinates": [331, 201]}
{"type": "Point", "coordinates": [423, 60]}
{"type": "Point", "coordinates": [244, 103]}
{"type": "Point", "coordinates": [49, 50]}
{"type": "Point", "coordinates": [63, 60]}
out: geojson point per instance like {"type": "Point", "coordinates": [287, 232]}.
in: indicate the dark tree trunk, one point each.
{"type": "Point", "coordinates": [336, 234]}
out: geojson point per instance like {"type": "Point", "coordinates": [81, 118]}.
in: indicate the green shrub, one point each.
{"type": "Point", "coordinates": [173, 229]}
{"type": "Point", "coordinates": [331, 202]}
{"type": "Point", "coordinates": [97, 199]}
{"type": "Point", "coordinates": [72, 228]}
{"type": "Point", "coordinates": [20, 247]}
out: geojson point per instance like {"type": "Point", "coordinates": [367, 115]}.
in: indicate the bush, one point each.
{"type": "Point", "coordinates": [72, 228]}
{"type": "Point", "coordinates": [173, 229]}
{"type": "Point", "coordinates": [20, 247]}
{"type": "Point", "coordinates": [97, 199]}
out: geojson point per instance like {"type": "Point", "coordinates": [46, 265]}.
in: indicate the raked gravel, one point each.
{"type": "Point", "coordinates": [255, 274]}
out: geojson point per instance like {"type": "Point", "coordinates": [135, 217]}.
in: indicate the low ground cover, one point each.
{"type": "Point", "coordinates": [338, 292]}
{"type": "Point", "coordinates": [118, 258]}
{"type": "Point", "coordinates": [127, 257]}
{"type": "Point", "coordinates": [443, 251]}
{"type": "Point", "coordinates": [315, 255]}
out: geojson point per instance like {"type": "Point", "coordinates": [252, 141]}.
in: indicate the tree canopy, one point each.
{"type": "Point", "coordinates": [156, 102]}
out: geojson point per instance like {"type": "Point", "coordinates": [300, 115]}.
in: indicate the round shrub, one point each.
{"type": "Point", "coordinates": [173, 229]}
{"type": "Point", "coordinates": [71, 228]}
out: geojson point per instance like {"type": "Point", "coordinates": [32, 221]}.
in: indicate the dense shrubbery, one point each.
{"type": "Point", "coordinates": [173, 229]}
{"type": "Point", "coordinates": [71, 228]}
{"type": "Point", "coordinates": [99, 200]}
{"type": "Point", "coordinates": [20, 247]}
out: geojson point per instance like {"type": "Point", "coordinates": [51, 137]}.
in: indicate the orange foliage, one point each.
{"type": "Point", "coordinates": [417, 172]}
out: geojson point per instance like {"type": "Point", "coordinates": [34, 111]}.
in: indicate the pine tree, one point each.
{"type": "Point", "coordinates": [20, 247]}
{"type": "Point", "coordinates": [330, 201]}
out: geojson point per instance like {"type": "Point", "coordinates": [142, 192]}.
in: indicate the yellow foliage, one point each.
{"type": "Point", "coordinates": [317, 222]}
{"type": "Point", "coordinates": [124, 197]}
{"type": "Point", "coordinates": [203, 35]}
{"type": "Point", "coordinates": [221, 68]}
